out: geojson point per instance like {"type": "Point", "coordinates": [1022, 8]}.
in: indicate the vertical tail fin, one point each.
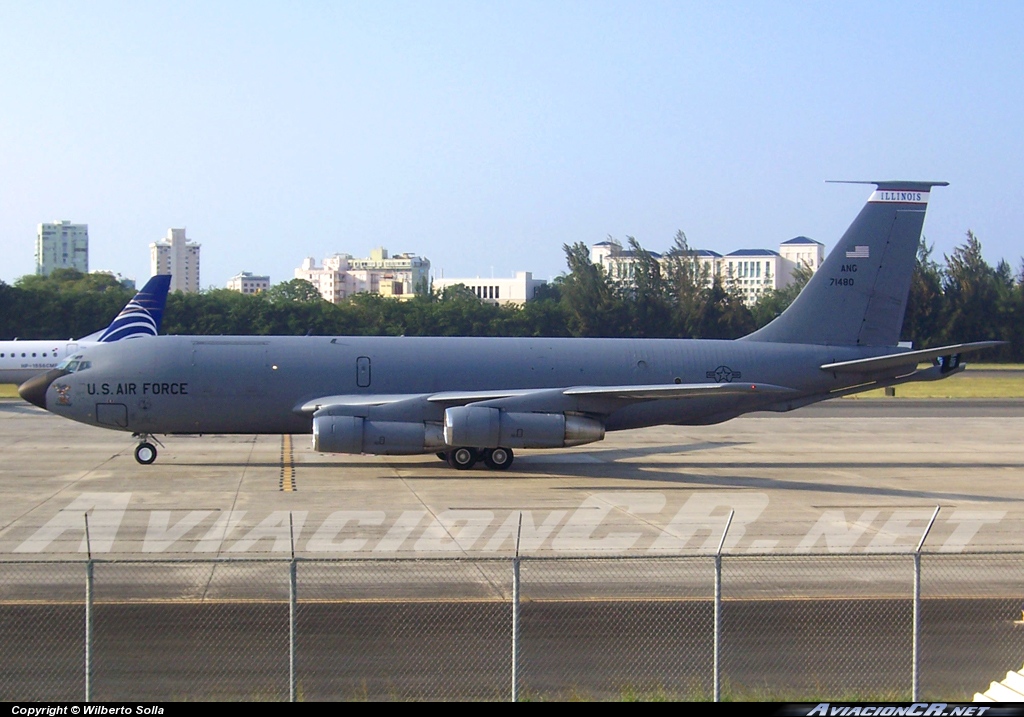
{"type": "Point", "coordinates": [859, 294]}
{"type": "Point", "coordinates": [142, 315]}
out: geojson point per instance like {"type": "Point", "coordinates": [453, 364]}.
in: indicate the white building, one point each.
{"type": "Point", "coordinates": [802, 250]}
{"type": "Point", "coordinates": [401, 276]}
{"type": "Point", "coordinates": [62, 245]}
{"type": "Point", "coordinates": [751, 271]}
{"type": "Point", "coordinates": [618, 263]}
{"type": "Point", "coordinates": [754, 271]}
{"type": "Point", "coordinates": [177, 256]}
{"type": "Point", "coordinates": [245, 282]}
{"type": "Point", "coordinates": [517, 290]}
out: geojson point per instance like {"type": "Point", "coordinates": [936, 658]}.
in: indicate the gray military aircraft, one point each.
{"type": "Point", "coordinates": [472, 399]}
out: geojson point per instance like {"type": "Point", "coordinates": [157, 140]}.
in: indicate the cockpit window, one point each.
{"type": "Point", "coordinates": [73, 364]}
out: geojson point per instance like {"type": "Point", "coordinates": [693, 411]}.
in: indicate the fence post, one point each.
{"type": "Point", "coordinates": [88, 613]}
{"type": "Point", "coordinates": [515, 615]}
{"type": "Point", "coordinates": [717, 667]}
{"type": "Point", "coordinates": [915, 674]}
{"type": "Point", "coordinates": [292, 598]}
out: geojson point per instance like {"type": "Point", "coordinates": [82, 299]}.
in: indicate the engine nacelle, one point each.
{"type": "Point", "coordinates": [485, 427]}
{"type": "Point", "coordinates": [354, 434]}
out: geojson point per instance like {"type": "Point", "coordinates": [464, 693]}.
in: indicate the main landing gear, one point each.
{"type": "Point", "coordinates": [464, 458]}
{"type": "Point", "coordinates": [145, 452]}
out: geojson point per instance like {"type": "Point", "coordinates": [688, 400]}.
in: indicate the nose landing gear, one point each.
{"type": "Point", "coordinates": [145, 452]}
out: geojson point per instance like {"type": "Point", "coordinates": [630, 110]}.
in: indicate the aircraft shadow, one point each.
{"type": "Point", "coordinates": [20, 407]}
{"type": "Point", "coordinates": [693, 475]}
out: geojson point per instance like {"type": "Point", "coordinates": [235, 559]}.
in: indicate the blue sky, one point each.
{"type": "Point", "coordinates": [485, 135]}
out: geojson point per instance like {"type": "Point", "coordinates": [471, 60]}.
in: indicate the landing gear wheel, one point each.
{"type": "Point", "coordinates": [462, 458]}
{"type": "Point", "coordinates": [498, 459]}
{"type": "Point", "coordinates": [145, 453]}
{"type": "Point", "coordinates": [442, 455]}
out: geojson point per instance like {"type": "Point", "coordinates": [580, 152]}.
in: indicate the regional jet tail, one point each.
{"type": "Point", "coordinates": [476, 400]}
{"type": "Point", "coordinates": [141, 316]}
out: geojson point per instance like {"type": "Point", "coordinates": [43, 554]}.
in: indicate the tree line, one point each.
{"type": "Point", "coordinates": [960, 299]}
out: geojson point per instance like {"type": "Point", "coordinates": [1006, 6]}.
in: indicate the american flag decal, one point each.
{"type": "Point", "coordinates": [859, 252]}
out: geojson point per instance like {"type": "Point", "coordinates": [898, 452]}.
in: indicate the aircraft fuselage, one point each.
{"type": "Point", "coordinates": [190, 384]}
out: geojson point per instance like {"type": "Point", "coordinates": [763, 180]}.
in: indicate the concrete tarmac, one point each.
{"type": "Point", "coordinates": [846, 476]}
{"type": "Point", "coordinates": [828, 503]}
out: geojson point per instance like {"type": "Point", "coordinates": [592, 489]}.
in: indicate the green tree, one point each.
{"type": "Point", "coordinates": [646, 295]}
{"type": "Point", "coordinates": [686, 279]}
{"type": "Point", "coordinates": [924, 322]}
{"type": "Point", "coordinates": [294, 291]}
{"type": "Point", "coordinates": [972, 294]}
{"type": "Point", "coordinates": [592, 303]}
{"type": "Point", "coordinates": [773, 302]}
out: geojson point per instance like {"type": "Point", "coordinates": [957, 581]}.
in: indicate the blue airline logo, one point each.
{"type": "Point", "coordinates": [142, 315]}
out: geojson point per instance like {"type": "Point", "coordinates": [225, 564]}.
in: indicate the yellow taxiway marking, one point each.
{"type": "Point", "coordinates": [287, 465]}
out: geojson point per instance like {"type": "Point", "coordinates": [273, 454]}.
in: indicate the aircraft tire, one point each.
{"type": "Point", "coordinates": [145, 453]}
{"type": "Point", "coordinates": [462, 458]}
{"type": "Point", "coordinates": [498, 459]}
{"type": "Point", "coordinates": [442, 455]}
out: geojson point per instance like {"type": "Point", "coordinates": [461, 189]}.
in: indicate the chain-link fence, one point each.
{"type": "Point", "coordinates": [792, 628]}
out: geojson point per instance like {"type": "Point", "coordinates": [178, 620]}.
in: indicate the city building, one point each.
{"type": "Point", "coordinates": [62, 245]}
{"type": "Point", "coordinates": [802, 250]}
{"type": "Point", "coordinates": [749, 271]}
{"type": "Point", "coordinates": [177, 256]}
{"type": "Point", "coordinates": [245, 282]}
{"type": "Point", "coordinates": [517, 290]}
{"type": "Point", "coordinates": [755, 271]}
{"type": "Point", "coordinates": [618, 263]}
{"type": "Point", "coordinates": [401, 276]}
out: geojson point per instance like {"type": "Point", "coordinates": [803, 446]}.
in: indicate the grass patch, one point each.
{"type": "Point", "coordinates": [995, 367]}
{"type": "Point", "coordinates": [955, 387]}
{"type": "Point", "coordinates": [962, 385]}
{"type": "Point", "coordinates": [8, 390]}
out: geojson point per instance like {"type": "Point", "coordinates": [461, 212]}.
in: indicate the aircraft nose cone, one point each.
{"type": "Point", "coordinates": [34, 390]}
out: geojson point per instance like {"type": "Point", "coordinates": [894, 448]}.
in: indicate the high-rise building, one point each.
{"type": "Point", "coordinates": [177, 256]}
{"type": "Point", "coordinates": [62, 245]}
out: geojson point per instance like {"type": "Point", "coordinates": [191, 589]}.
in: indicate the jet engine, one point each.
{"type": "Point", "coordinates": [486, 427]}
{"type": "Point", "coordinates": [354, 434]}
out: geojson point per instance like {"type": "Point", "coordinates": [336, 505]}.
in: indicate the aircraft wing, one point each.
{"type": "Point", "coordinates": [655, 392]}
{"type": "Point", "coordinates": [909, 359]}
{"type": "Point", "coordinates": [593, 398]}
{"type": "Point", "coordinates": [353, 400]}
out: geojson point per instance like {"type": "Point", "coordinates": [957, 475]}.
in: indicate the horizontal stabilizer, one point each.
{"type": "Point", "coordinates": [909, 359]}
